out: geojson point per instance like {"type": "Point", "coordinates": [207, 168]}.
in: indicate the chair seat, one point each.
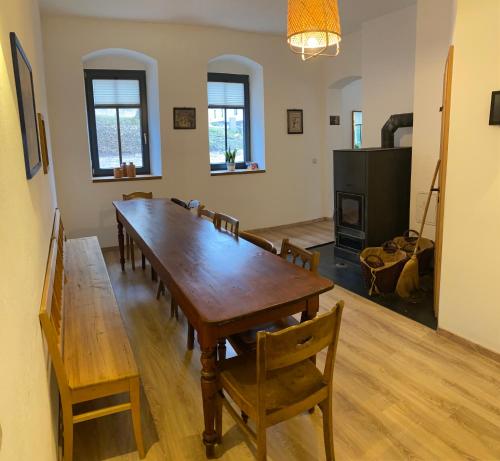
{"type": "Point", "coordinates": [246, 342]}
{"type": "Point", "coordinates": [284, 388]}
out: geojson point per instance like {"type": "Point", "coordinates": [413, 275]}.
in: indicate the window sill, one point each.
{"type": "Point", "coordinates": [141, 177]}
{"type": "Point", "coordinates": [226, 172]}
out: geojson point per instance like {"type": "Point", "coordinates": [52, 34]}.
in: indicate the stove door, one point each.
{"type": "Point", "coordinates": [350, 210]}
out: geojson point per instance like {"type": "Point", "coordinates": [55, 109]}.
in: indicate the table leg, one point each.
{"type": "Point", "coordinates": [309, 314]}
{"type": "Point", "coordinates": [311, 310]}
{"type": "Point", "coordinates": [121, 243]}
{"type": "Point", "coordinates": [209, 395]}
{"type": "Point", "coordinates": [190, 337]}
{"type": "Point", "coordinates": [132, 254]}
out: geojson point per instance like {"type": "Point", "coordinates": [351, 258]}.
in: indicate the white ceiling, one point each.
{"type": "Point", "coordinates": [249, 15]}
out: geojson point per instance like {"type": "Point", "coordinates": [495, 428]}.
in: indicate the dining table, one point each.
{"type": "Point", "coordinates": [223, 284]}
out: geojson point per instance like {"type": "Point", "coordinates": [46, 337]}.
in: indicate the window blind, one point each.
{"type": "Point", "coordinates": [226, 94]}
{"type": "Point", "coordinates": [112, 92]}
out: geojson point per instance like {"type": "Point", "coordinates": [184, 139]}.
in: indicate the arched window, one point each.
{"type": "Point", "coordinates": [235, 96]}
{"type": "Point", "coordinates": [121, 89]}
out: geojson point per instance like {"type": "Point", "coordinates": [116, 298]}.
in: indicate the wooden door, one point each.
{"type": "Point", "coordinates": [443, 154]}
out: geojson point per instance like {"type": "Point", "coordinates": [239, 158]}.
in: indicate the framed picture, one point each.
{"type": "Point", "coordinates": [26, 102]}
{"type": "Point", "coordinates": [495, 108]}
{"type": "Point", "coordinates": [334, 119]}
{"type": "Point", "coordinates": [184, 118]}
{"type": "Point", "coordinates": [43, 143]}
{"type": "Point", "coordinates": [295, 121]}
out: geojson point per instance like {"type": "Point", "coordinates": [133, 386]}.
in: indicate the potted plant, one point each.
{"type": "Point", "coordinates": [230, 159]}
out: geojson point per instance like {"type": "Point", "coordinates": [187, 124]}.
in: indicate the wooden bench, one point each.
{"type": "Point", "coordinates": [86, 339]}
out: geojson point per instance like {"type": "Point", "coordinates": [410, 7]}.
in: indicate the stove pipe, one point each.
{"type": "Point", "coordinates": [391, 126]}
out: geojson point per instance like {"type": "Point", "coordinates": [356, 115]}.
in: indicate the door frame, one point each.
{"type": "Point", "coordinates": [443, 155]}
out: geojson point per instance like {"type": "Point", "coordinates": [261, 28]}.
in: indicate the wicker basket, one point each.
{"type": "Point", "coordinates": [425, 252]}
{"type": "Point", "coordinates": [381, 267]}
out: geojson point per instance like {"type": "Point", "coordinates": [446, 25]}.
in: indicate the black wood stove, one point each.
{"type": "Point", "coordinates": [372, 192]}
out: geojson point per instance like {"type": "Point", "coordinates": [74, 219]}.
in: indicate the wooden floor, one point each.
{"type": "Point", "coordinates": [305, 235]}
{"type": "Point", "coordinates": [401, 391]}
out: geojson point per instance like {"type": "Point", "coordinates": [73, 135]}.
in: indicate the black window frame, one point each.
{"type": "Point", "coordinates": [234, 78]}
{"type": "Point", "coordinates": [103, 74]}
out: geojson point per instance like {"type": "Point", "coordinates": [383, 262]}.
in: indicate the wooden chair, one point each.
{"type": "Point", "coordinates": [279, 382]}
{"type": "Point", "coordinates": [51, 317]}
{"type": "Point", "coordinates": [301, 256]}
{"type": "Point", "coordinates": [128, 241]}
{"type": "Point", "coordinates": [247, 341]}
{"type": "Point", "coordinates": [259, 241]}
{"type": "Point", "coordinates": [138, 195]}
{"type": "Point", "coordinates": [204, 213]}
{"type": "Point", "coordinates": [226, 223]}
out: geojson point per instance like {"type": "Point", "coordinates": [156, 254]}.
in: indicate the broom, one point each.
{"type": "Point", "coordinates": [409, 280]}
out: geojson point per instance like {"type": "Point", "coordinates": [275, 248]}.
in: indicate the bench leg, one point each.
{"type": "Point", "coordinates": [135, 400]}
{"type": "Point", "coordinates": [143, 261]}
{"type": "Point", "coordinates": [67, 431]}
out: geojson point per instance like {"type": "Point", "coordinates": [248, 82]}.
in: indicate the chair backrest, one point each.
{"type": "Point", "coordinates": [300, 255]}
{"type": "Point", "coordinates": [300, 342]}
{"type": "Point", "coordinates": [52, 304]}
{"type": "Point", "coordinates": [259, 241]}
{"type": "Point", "coordinates": [204, 213]}
{"type": "Point", "coordinates": [226, 223]}
{"type": "Point", "coordinates": [138, 195]}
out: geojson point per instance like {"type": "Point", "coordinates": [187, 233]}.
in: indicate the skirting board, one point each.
{"type": "Point", "coordinates": [465, 342]}
{"type": "Point", "coordinates": [286, 226]}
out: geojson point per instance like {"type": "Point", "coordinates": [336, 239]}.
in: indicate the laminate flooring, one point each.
{"type": "Point", "coordinates": [401, 392]}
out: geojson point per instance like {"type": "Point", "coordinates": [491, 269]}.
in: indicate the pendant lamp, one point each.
{"type": "Point", "coordinates": [313, 28]}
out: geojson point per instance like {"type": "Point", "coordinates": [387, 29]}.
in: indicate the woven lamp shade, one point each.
{"type": "Point", "coordinates": [313, 27]}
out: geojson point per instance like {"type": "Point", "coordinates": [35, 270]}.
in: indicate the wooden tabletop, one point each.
{"type": "Point", "coordinates": [96, 346]}
{"type": "Point", "coordinates": [223, 277]}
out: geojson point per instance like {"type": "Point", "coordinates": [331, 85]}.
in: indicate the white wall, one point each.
{"type": "Point", "coordinates": [470, 305]}
{"type": "Point", "coordinates": [382, 53]}
{"type": "Point", "coordinates": [337, 73]}
{"type": "Point", "coordinates": [388, 73]}
{"type": "Point", "coordinates": [287, 192]}
{"type": "Point", "coordinates": [352, 99]}
{"type": "Point", "coordinates": [434, 34]}
{"type": "Point", "coordinates": [340, 101]}
{"type": "Point", "coordinates": [27, 416]}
